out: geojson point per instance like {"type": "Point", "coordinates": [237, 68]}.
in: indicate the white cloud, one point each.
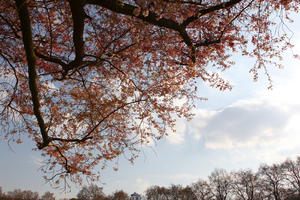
{"type": "Point", "coordinates": [247, 124]}
{"type": "Point", "coordinates": [199, 122]}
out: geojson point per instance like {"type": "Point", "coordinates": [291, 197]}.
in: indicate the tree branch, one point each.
{"type": "Point", "coordinates": [88, 134]}
{"type": "Point", "coordinates": [16, 83]}
{"type": "Point", "coordinates": [50, 59]}
{"type": "Point", "coordinates": [152, 18]}
{"type": "Point", "coordinates": [11, 26]}
{"type": "Point", "coordinates": [71, 140]}
{"type": "Point", "coordinates": [185, 2]}
{"type": "Point", "coordinates": [28, 46]}
{"type": "Point", "coordinates": [209, 10]}
{"type": "Point", "coordinates": [78, 16]}
{"type": "Point", "coordinates": [108, 115]}
{"type": "Point", "coordinates": [218, 40]}
{"type": "Point", "coordinates": [126, 9]}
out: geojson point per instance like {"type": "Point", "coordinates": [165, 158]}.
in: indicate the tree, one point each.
{"type": "Point", "coordinates": [119, 195]}
{"type": "Point", "coordinates": [92, 192]}
{"type": "Point", "coordinates": [18, 194]}
{"type": "Point", "coordinates": [292, 175]}
{"type": "Point", "coordinates": [157, 193]}
{"type": "Point", "coordinates": [272, 181]}
{"type": "Point", "coordinates": [293, 197]}
{"type": "Point", "coordinates": [187, 193]}
{"type": "Point", "coordinates": [48, 196]}
{"type": "Point", "coordinates": [89, 79]}
{"type": "Point", "coordinates": [245, 185]}
{"type": "Point", "coordinates": [174, 192]}
{"type": "Point", "coordinates": [220, 182]}
{"type": "Point", "coordinates": [202, 190]}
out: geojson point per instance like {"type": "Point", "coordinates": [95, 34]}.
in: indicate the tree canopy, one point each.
{"type": "Point", "coordinates": [89, 80]}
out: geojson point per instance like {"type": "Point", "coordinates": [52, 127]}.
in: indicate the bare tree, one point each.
{"type": "Point", "coordinates": [272, 181]}
{"type": "Point", "coordinates": [48, 196]}
{"type": "Point", "coordinates": [174, 192]}
{"type": "Point", "coordinates": [119, 195]}
{"type": "Point", "coordinates": [202, 190]}
{"type": "Point", "coordinates": [220, 182]}
{"type": "Point", "coordinates": [157, 193]}
{"type": "Point", "coordinates": [187, 194]}
{"type": "Point", "coordinates": [291, 170]}
{"type": "Point", "coordinates": [22, 195]}
{"type": "Point", "coordinates": [92, 192]}
{"type": "Point", "coordinates": [245, 185]}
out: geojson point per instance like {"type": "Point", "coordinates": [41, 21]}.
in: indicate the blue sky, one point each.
{"type": "Point", "coordinates": [233, 130]}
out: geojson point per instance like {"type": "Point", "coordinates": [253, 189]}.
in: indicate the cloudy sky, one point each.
{"type": "Point", "coordinates": [233, 130]}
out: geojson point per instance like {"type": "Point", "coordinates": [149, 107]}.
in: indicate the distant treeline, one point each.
{"type": "Point", "coordinates": [270, 182]}
{"type": "Point", "coordinates": [18, 194]}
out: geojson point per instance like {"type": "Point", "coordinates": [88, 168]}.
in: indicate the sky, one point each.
{"type": "Point", "coordinates": [238, 129]}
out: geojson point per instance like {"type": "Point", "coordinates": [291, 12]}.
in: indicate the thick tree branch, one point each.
{"type": "Point", "coordinates": [209, 42]}
{"type": "Point", "coordinates": [185, 2]}
{"type": "Point", "coordinates": [209, 10]}
{"type": "Point", "coordinates": [126, 9]}
{"type": "Point", "coordinates": [152, 18]}
{"type": "Point", "coordinates": [71, 140]}
{"type": "Point", "coordinates": [78, 16]}
{"type": "Point", "coordinates": [28, 46]}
